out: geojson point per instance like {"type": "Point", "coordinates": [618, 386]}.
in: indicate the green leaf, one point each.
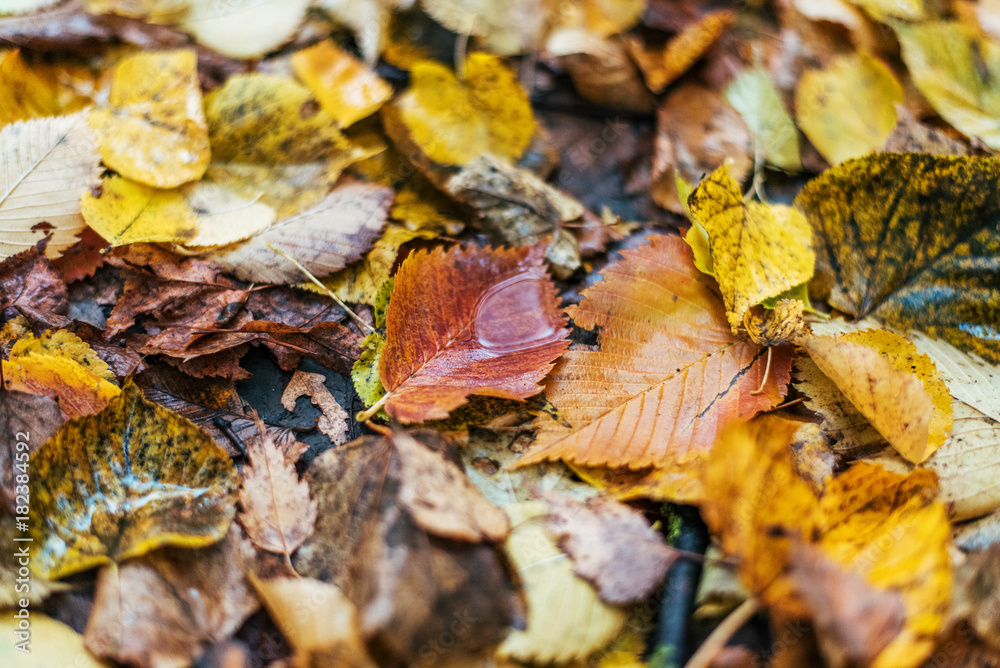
{"type": "Point", "coordinates": [754, 95]}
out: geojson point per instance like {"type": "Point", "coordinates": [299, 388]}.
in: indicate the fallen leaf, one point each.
{"type": "Point", "coordinates": [198, 214]}
{"type": "Point", "coordinates": [454, 121]}
{"type": "Point", "coordinates": [167, 607]}
{"type": "Point", "coordinates": [772, 327]}
{"type": "Point", "coordinates": [367, 19]}
{"type": "Point", "coordinates": [977, 595]}
{"type": "Point", "coordinates": [668, 375]}
{"type": "Point", "coordinates": [277, 512]}
{"type": "Point", "coordinates": [82, 259]}
{"type": "Point", "coordinates": [912, 136]}
{"type": "Point", "coordinates": [661, 67]}
{"type": "Point", "coordinates": [333, 420]}
{"type": "Point", "coordinates": [129, 479]}
{"type": "Point", "coordinates": [601, 70]}
{"type": "Point", "coordinates": [775, 137]}
{"type": "Point", "coordinates": [696, 132]}
{"type": "Point", "coordinates": [503, 29]}
{"type": "Point", "coordinates": [758, 250]}
{"type": "Point", "coordinates": [52, 643]}
{"type": "Point", "coordinates": [29, 419]}
{"type": "Point", "coordinates": [566, 619]}
{"type": "Point", "coordinates": [324, 238]}
{"type": "Point", "coordinates": [38, 588]}
{"type": "Point", "coordinates": [897, 236]}
{"type": "Point", "coordinates": [848, 108]}
{"type": "Point", "coordinates": [49, 163]}
{"type": "Point", "coordinates": [244, 28]}
{"type": "Point", "coordinates": [469, 321]}
{"type": "Point", "coordinates": [344, 86]}
{"type": "Point", "coordinates": [153, 129]}
{"type": "Point", "coordinates": [29, 286]}
{"type": "Point", "coordinates": [611, 545]}
{"type": "Point", "coordinates": [63, 343]}
{"type": "Point", "coordinates": [78, 391]}
{"type": "Point", "coordinates": [896, 388]}
{"type": "Point", "coordinates": [273, 144]}
{"type": "Point", "coordinates": [38, 91]}
{"type": "Point", "coordinates": [319, 622]}
{"type": "Point", "coordinates": [954, 66]}
{"type": "Point", "coordinates": [882, 10]}
{"type": "Point", "coordinates": [409, 581]}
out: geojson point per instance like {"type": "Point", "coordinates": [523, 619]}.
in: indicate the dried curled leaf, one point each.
{"type": "Point", "coordinates": [153, 130]}
{"type": "Point", "coordinates": [848, 109]}
{"type": "Point", "coordinates": [48, 164]}
{"type": "Point", "coordinates": [897, 389]}
{"type": "Point", "coordinates": [758, 250]}
{"type": "Point", "coordinates": [333, 420]}
{"type": "Point", "coordinates": [454, 121]}
{"type": "Point", "coordinates": [468, 321]}
{"type": "Point", "coordinates": [912, 240]}
{"type": "Point", "coordinates": [120, 483]}
{"type": "Point", "coordinates": [661, 67]}
{"type": "Point", "coordinates": [669, 373]}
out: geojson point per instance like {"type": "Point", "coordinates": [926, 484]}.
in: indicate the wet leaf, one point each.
{"type": "Point", "coordinates": [324, 238]}
{"type": "Point", "coordinates": [271, 143]}
{"type": "Point", "coordinates": [908, 239]}
{"type": "Point", "coordinates": [198, 214]}
{"type": "Point", "coordinates": [410, 541]}
{"type": "Point", "coordinates": [954, 67]}
{"type": "Point", "coordinates": [153, 129]}
{"type": "Point", "coordinates": [560, 605]}
{"type": "Point", "coordinates": [468, 321]}
{"type": "Point", "coordinates": [333, 420]}
{"type": "Point", "coordinates": [277, 512]}
{"type": "Point", "coordinates": [49, 163]}
{"type": "Point", "coordinates": [775, 137]}
{"type": "Point", "coordinates": [669, 373]}
{"type": "Point", "coordinates": [758, 250]}
{"type": "Point", "coordinates": [344, 86]}
{"type": "Point", "coordinates": [29, 419]}
{"type": "Point", "coordinates": [29, 286]}
{"type": "Point", "coordinates": [773, 327]}
{"type": "Point", "coordinates": [167, 607]}
{"type": "Point", "coordinates": [611, 545]}
{"type": "Point", "coordinates": [896, 388]}
{"type": "Point", "coordinates": [661, 67]}
{"type": "Point", "coordinates": [454, 121]}
{"type": "Point", "coordinates": [129, 479]}
{"type": "Point", "coordinates": [63, 343]}
{"type": "Point", "coordinates": [244, 28]}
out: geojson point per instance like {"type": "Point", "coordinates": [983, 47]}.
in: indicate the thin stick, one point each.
{"type": "Point", "coordinates": [767, 371]}
{"type": "Point", "coordinates": [790, 403]}
{"type": "Point", "coordinates": [367, 414]}
{"type": "Point", "coordinates": [329, 293]}
{"type": "Point", "coordinates": [723, 632]}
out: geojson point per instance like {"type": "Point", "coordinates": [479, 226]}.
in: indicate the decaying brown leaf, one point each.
{"type": "Point", "coordinates": [333, 418]}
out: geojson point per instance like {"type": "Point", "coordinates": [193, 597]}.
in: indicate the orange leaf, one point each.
{"type": "Point", "coordinates": [669, 373]}
{"type": "Point", "coordinates": [468, 321]}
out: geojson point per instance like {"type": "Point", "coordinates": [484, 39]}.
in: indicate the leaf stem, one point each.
{"type": "Point", "coordinates": [767, 372]}
{"type": "Point", "coordinates": [369, 412]}
{"type": "Point", "coordinates": [329, 293]}
{"type": "Point", "coordinates": [722, 633]}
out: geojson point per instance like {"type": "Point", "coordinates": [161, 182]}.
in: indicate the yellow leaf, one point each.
{"type": "Point", "coordinates": [758, 250]}
{"type": "Point", "coordinates": [153, 130]}
{"type": "Point", "coordinates": [775, 137]}
{"type": "Point", "coordinates": [271, 142]}
{"type": "Point", "coordinates": [955, 67]}
{"type": "Point", "coordinates": [909, 10]}
{"type": "Point", "coordinates": [566, 619]}
{"type": "Point", "coordinates": [78, 391]}
{"type": "Point", "coordinates": [897, 389]}
{"type": "Point", "coordinates": [48, 164]}
{"type": "Point", "coordinates": [52, 644]}
{"type": "Point", "coordinates": [849, 108]}
{"type": "Point", "coordinates": [197, 214]}
{"type": "Point", "coordinates": [454, 121]}
{"type": "Point", "coordinates": [127, 480]}
{"type": "Point", "coordinates": [775, 326]}
{"type": "Point", "coordinates": [40, 90]}
{"type": "Point", "coordinates": [421, 206]}
{"type": "Point", "coordinates": [503, 28]}
{"type": "Point", "coordinates": [244, 28]}
{"type": "Point", "coordinates": [344, 86]}
{"type": "Point", "coordinates": [63, 343]}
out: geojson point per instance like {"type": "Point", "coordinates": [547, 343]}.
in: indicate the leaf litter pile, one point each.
{"type": "Point", "coordinates": [599, 333]}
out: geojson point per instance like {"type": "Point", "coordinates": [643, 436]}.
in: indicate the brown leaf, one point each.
{"type": "Point", "coordinates": [27, 420]}
{"type": "Point", "coordinates": [324, 238]}
{"type": "Point", "coordinates": [855, 621]}
{"type": "Point", "coordinates": [30, 286]}
{"type": "Point", "coordinates": [611, 545]}
{"type": "Point", "coordinates": [333, 418]}
{"type": "Point", "coordinates": [977, 595]}
{"type": "Point", "coordinates": [410, 583]}
{"type": "Point", "coordinates": [165, 608]}
{"type": "Point", "coordinates": [468, 321]}
{"type": "Point", "coordinates": [277, 512]}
